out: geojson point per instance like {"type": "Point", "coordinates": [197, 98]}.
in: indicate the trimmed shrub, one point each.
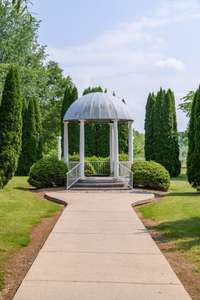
{"type": "Point", "coordinates": [100, 164]}
{"type": "Point", "coordinates": [89, 169]}
{"type": "Point", "coordinates": [71, 94]}
{"type": "Point", "coordinates": [152, 175]}
{"type": "Point", "coordinates": [74, 157]}
{"type": "Point", "coordinates": [123, 157]}
{"type": "Point", "coordinates": [48, 172]}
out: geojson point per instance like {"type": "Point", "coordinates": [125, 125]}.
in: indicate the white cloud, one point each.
{"type": "Point", "coordinates": [124, 59]}
{"type": "Point", "coordinates": [171, 63]}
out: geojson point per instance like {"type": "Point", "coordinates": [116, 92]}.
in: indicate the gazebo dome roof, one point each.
{"type": "Point", "coordinates": [98, 107]}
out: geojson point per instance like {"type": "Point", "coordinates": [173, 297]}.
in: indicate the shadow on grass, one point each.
{"type": "Point", "coordinates": [186, 231]}
{"type": "Point", "coordinates": [181, 177]}
{"type": "Point", "coordinates": [24, 188]}
{"type": "Point", "coordinates": [185, 194]}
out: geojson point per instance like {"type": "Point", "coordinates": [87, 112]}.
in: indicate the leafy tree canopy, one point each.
{"type": "Point", "coordinates": [186, 105]}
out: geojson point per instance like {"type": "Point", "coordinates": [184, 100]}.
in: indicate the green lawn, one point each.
{"type": "Point", "coordinates": [178, 218]}
{"type": "Point", "coordinates": [20, 210]}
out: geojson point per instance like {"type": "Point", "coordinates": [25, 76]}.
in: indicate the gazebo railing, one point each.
{"type": "Point", "coordinates": [73, 175]}
{"type": "Point", "coordinates": [94, 168]}
{"type": "Point", "coordinates": [125, 173]}
{"type": "Point", "coordinates": [97, 168]}
{"type": "Point", "coordinates": [126, 163]}
{"type": "Point", "coordinates": [72, 164]}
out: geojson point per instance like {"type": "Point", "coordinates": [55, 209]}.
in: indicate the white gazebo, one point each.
{"type": "Point", "coordinates": [99, 108]}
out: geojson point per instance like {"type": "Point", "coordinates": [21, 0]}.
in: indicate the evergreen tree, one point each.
{"type": "Point", "coordinates": [31, 137]}
{"type": "Point", "coordinates": [161, 137]}
{"type": "Point", "coordinates": [11, 126]}
{"type": "Point", "coordinates": [20, 166]}
{"type": "Point", "coordinates": [176, 150]}
{"type": "Point", "coordinates": [96, 135]}
{"type": "Point", "coordinates": [122, 133]}
{"type": "Point", "coordinates": [193, 162]}
{"type": "Point", "coordinates": [158, 123]}
{"type": "Point", "coordinates": [95, 89]}
{"type": "Point", "coordinates": [71, 94]}
{"type": "Point", "coordinates": [123, 137]}
{"type": "Point", "coordinates": [39, 141]}
{"type": "Point", "coordinates": [166, 155]}
{"type": "Point", "coordinates": [149, 128]}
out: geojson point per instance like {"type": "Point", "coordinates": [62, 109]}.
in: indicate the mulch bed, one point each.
{"type": "Point", "coordinates": [184, 269]}
{"type": "Point", "coordinates": [21, 261]}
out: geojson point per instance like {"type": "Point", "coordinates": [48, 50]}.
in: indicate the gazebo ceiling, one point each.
{"type": "Point", "coordinates": [98, 107]}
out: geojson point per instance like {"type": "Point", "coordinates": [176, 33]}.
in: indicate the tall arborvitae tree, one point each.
{"type": "Point", "coordinates": [149, 128]}
{"type": "Point", "coordinates": [193, 161]}
{"type": "Point", "coordinates": [71, 94]}
{"type": "Point", "coordinates": [20, 166]}
{"type": "Point", "coordinates": [95, 89]}
{"type": "Point", "coordinates": [123, 137]}
{"type": "Point", "coordinates": [158, 123]}
{"type": "Point", "coordinates": [191, 137]}
{"type": "Point", "coordinates": [10, 127]}
{"type": "Point", "coordinates": [31, 137]}
{"type": "Point", "coordinates": [39, 140]}
{"type": "Point", "coordinates": [96, 135]}
{"type": "Point", "coordinates": [176, 151]}
{"type": "Point", "coordinates": [161, 137]}
{"type": "Point", "coordinates": [166, 154]}
{"type": "Point", "coordinates": [122, 132]}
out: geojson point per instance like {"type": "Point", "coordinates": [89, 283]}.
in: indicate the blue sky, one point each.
{"type": "Point", "coordinates": [132, 47]}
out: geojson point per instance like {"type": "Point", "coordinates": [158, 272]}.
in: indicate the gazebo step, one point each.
{"type": "Point", "coordinates": [101, 183]}
{"type": "Point", "coordinates": [74, 188]}
{"type": "Point", "coordinates": [100, 180]}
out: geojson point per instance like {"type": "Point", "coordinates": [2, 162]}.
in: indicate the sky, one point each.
{"type": "Point", "coordinates": [127, 46]}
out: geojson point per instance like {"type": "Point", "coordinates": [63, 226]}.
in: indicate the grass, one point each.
{"type": "Point", "coordinates": [178, 218]}
{"type": "Point", "coordinates": [20, 210]}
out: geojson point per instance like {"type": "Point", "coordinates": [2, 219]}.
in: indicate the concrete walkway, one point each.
{"type": "Point", "coordinates": [99, 249]}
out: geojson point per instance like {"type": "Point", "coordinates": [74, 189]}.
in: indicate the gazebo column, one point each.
{"type": "Point", "coordinates": [66, 143]}
{"type": "Point", "coordinates": [82, 148]}
{"type": "Point", "coordinates": [59, 147]}
{"type": "Point", "coordinates": [111, 148]}
{"type": "Point", "coordinates": [116, 150]}
{"type": "Point", "coordinates": [130, 142]}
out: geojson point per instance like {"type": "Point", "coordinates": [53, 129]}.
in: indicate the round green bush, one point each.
{"type": "Point", "coordinates": [152, 175]}
{"type": "Point", "coordinates": [48, 172]}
